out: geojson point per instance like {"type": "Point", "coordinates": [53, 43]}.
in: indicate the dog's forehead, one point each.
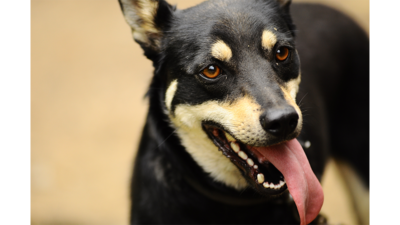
{"type": "Point", "coordinates": [238, 36]}
{"type": "Point", "coordinates": [233, 21]}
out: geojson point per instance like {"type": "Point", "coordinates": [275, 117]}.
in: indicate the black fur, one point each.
{"type": "Point", "coordinates": [168, 186]}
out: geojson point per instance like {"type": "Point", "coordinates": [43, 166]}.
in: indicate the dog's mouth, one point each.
{"type": "Point", "coordinates": [271, 170]}
{"type": "Point", "coordinates": [261, 173]}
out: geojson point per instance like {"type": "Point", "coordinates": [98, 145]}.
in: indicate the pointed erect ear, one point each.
{"type": "Point", "coordinates": [148, 19]}
{"type": "Point", "coordinates": [284, 4]}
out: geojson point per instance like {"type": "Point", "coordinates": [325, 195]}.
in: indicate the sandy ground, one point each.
{"type": "Point", "coordinates": [88, 83]}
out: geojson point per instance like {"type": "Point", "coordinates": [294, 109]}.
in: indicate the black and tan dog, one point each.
{"type": "Point", "coordinates": [224, 137]}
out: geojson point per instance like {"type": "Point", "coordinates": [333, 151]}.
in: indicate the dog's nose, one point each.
{"type": "Point", "coordinates": [280, 122]}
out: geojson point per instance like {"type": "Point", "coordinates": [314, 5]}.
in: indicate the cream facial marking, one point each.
{"type": "Point", "coordinates": [290, 92]}
{"type": "Point", "coordinates": [240, 118]}
{"type": "Point", "coordinates": [237, 118]}
{"type": "Point", "coordinates": [268, 40]}
{"type": "Point", "coordinates": [220, 50]}
{"type": "Point", "coordinates": [169, 95]}
{"type": "Point", "coordinates": [293, 86]}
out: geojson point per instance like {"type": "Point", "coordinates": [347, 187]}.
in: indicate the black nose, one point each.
{"type": "Point", "coordinates": [280, 122]}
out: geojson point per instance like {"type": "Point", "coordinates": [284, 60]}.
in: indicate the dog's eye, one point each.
{"type": "Point", "coordinates": [211, 71]}
{"type": "Point", "coordinates": [282, 53]}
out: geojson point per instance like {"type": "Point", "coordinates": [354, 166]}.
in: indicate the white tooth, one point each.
{"type": "Point", "coordinates": [229, 137]}
{"type": "Point", "coordinates": [255, 167]}
{"type": "Point", "coordinates": [282, 183]}
{"type": "Point", "coordinates": [235, 147]}
{"type": "Point", "coordinates": [242, 155]}
{"type": "Point", "coordinates": [276, 186]}
{"type": "Point", "coordinates": [260, 178]}
{"type": "Point", "coordinates": [266, 185]}
{"type": "Point", "coordinates": [250, 162]}
{"type": "Point", "coordinates": [307, 144]}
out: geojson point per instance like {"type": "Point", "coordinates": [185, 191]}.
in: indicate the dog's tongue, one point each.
{"type": "Point", "coordinates": [289, 158]}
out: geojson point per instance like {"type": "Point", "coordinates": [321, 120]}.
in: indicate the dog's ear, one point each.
{"type": "Point", "coordinates": [148, 19]}
{"type": "Point", "coordinates": [284, 4]}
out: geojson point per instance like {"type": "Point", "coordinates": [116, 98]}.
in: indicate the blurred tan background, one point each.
{"type": "Point", "coordinates": [88, 82]}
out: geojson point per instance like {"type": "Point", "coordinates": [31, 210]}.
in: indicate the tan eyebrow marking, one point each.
{"type": "Point", "coordinates": [268, 40]}
{"type": "Point", "coordinates": [220, 50]}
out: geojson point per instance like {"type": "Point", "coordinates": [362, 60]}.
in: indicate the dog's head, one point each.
{"type": "Point", "coordinates": [231, 73]}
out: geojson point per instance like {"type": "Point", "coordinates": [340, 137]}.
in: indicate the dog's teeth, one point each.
{"type": "Point", "coordinates": [273, 186]}
{"type": "Point", "coordinates": [307, 144]}
{"type": "Point", "coordinates": [229, 137]}
{"type": "Point", "coordinates": [281, 184]}
{"type": "Point", "coordinates": [255, 167]}
{"type": "Point", "coordinates": [260, 178]}
{"type": "Point", "coordinates": [235, 147]}
{"type": "Point", "coordinates": [242, 155]}
{"type": "Point", "coordinates": [250, 162]}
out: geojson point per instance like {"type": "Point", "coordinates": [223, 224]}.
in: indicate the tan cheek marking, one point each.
{"type": "Point", "coordinates": [223, 112]}
{"type": "Point", "coordinates": [268, 40]}
{"type": "Point", "coordinates": [187, 123]}
{"type": "Point", "coordinates": [221, 51]}
{"type": "Point", "coordinates": [293, 103]}
{"type": "Point", "coordinates": [245, 109]}
{"type": "Point", "coordinates": [170, 93]}
{"type": "Point", "coordinates": [293, 86]}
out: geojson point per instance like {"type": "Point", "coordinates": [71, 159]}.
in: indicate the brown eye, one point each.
{"type": "Point", "coordinates": [282, 53]}
{"type": "Point", "coordinates": [211, 71]}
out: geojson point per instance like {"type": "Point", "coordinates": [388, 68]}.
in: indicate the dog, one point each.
{"type": "Point", "coordinates": [249, 100]}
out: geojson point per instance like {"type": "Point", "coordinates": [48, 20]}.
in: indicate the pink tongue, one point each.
{"type": "Point", "coordinates": [290, 159]}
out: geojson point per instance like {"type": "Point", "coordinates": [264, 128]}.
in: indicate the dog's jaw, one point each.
{"type": "Point", "coordinates": [200, 146]}
{"type": "Point", "coordinates": [206, 154]}
{"type": "Point", "coordinates": [237, 168]}
{"type": "Point", "coordinates": [239, 118]}
{"type": "Point", "coordinates": [260, 174]}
